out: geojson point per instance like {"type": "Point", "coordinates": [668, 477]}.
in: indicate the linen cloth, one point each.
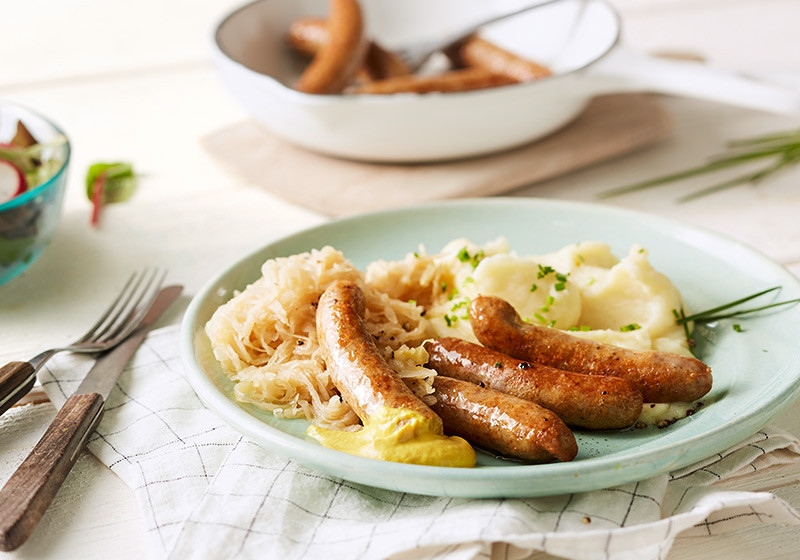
{"type": "Point", "coordinates": [206, 491]}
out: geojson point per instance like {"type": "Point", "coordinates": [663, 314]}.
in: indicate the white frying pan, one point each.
{"type": "Point", "coordinates": [577, 39]}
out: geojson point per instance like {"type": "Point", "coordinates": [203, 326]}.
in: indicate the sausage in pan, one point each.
{"type": "Point", "coordinates": [335, 65]}
{"type": "Point", "coordinates": [309, 35]}
{"type": "Point", "coordinates": [480, 53]}
{"type": "Point", "coordinates": [457, 80]}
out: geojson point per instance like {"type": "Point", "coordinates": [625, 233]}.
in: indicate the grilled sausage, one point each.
{"type": "Point", "coordinates": [588, 401]}
{"type": "Point", "coordinates": [358, 370]}
{"type": "Point", "coordinates": [335, 64]}
{"type": "Point", "coordinates": [308, 35]}
{"type": "Point", "coordinates": [457, 80]}
{"type": "Point", "coordinates": [477, 52]}
{"type": "Point", "coordinates": [503, 423]}
{"type": "Point", "coordinates": [659, 376]}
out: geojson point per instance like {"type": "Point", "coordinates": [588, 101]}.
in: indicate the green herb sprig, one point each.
{"type": "Point", "coordinates": [717, 313]}
{"type": "Point", "coordinates": [782, 148]}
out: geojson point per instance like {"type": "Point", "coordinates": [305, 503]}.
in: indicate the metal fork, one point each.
{"type": "Point", "coordinates": [117, 322]}
{"type": "Point", "coordinates": [417, 54]}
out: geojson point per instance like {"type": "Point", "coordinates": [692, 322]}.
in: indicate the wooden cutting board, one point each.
{"type": "Point", "coordinates": [610, 127]}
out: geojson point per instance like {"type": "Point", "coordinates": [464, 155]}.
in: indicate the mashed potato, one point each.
{"type": "Point", "coordinates": [265, 337]}
{"type": "Point", "coordinates": [581, 288]}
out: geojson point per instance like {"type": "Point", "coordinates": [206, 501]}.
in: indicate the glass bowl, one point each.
{"type": "Point", "coordinates": [29, 221]}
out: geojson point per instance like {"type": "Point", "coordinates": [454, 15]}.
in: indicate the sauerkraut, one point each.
{"type": "Point", "coordinates": [265, 338]}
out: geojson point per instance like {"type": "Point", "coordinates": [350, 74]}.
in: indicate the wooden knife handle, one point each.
{"type": "Point", "coordinates": [34, 484]}
{"type": "Point", "coordinates": [14, 383]}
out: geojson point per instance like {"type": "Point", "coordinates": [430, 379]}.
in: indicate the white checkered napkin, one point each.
{"type": "Point", "coordinates": [208, 492]}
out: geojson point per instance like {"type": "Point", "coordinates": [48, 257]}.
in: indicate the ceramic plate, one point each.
{"type": "Point", "coordinates": [756, 371]}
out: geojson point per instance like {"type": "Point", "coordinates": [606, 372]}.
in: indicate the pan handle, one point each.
{"type": "Point", "coordinates": [625, 70]}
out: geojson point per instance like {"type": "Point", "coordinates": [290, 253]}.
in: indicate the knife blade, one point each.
{"type": "Point", "coordinates": [27, 494]}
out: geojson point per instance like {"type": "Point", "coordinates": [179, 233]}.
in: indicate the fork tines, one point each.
{"type": "Point", "coordinates": [128, 309]}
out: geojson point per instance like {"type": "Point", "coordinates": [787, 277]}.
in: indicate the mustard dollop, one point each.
{"type": "Point", "coordinates": [401, 436]}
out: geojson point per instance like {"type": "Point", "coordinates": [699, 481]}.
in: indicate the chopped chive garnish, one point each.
{"type": "Point", "coordinates": [540, 318]}
{"type": "Point", "coordinates": [631, 327]}
{"type": "Point", "coordinates": [559, 286]}
{"type": "Point", "coordinates": [544, 271]}
{"type": "Point", "coordinates": [464, 256]}
{"type": "Point", "coordinates": [737, 327]}
{"type": "Point", "coordinates": [550, 300]}
{"type": "Point", "coordinates": [534, 287]}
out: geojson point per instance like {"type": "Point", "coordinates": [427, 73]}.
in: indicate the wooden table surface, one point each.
{"type": "Point", "coordinates": [133, 81]}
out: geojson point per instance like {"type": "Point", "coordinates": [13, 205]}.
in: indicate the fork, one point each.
{"type": "Point", "coordinates": [117, 322]}
{"type": "Point", "coordinates": [415, 55]}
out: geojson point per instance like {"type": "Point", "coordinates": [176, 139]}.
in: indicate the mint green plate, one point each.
{"type": "Point", "coordinates": [756, 372]}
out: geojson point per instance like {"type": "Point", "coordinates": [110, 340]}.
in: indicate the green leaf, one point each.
{"type": "Point", "coordinates": [120, 181]}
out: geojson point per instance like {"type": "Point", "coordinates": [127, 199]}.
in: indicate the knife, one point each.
{"type": "Point", "coordinates": [29, 491]}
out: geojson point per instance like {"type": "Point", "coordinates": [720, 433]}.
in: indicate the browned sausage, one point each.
{"type": "Point", "coordinates": [357, 368]}
{"type": "Point", "coordinates": [588, 401]}
{"type": "Point", "coordinates": [335, 65]}
{"type": "Point", "coordinates": [308, 35]}
{"type": "Point", "coordinates": [481, 53]}
{"type": "Point", "coordinates": [456, 80]}
{"type": "Point", "coordinates": [660, 376]}
{"type": "Point", "coordinates": [503, 423]}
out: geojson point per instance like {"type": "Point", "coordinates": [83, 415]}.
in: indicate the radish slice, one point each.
{"type": "Point", "coordinates": [12, 181]}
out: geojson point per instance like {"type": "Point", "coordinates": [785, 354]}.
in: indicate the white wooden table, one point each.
{"type": "Point", "coordinates": [133, 81]}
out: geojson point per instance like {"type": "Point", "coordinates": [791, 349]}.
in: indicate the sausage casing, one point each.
{"type": "Point", "coordinates": [501, 422]}
{"type": "Point", "coordinates": [659, 376]}
{"type": "Point", "coordinates": [358, 370]}
{"type": "Point", "coordinates": [309, 35]}
{"type": "Point", "coordinates": [466, 79]}
{"type": "Point", "coordinates": [478, 52]}
{"type": "Point", "coordinates": [587, 401]}
{"type": "Point", "coordinates": [335, 64]}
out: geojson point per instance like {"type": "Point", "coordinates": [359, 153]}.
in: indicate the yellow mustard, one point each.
{"type": "Point", "coordinates": [401, 436]}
